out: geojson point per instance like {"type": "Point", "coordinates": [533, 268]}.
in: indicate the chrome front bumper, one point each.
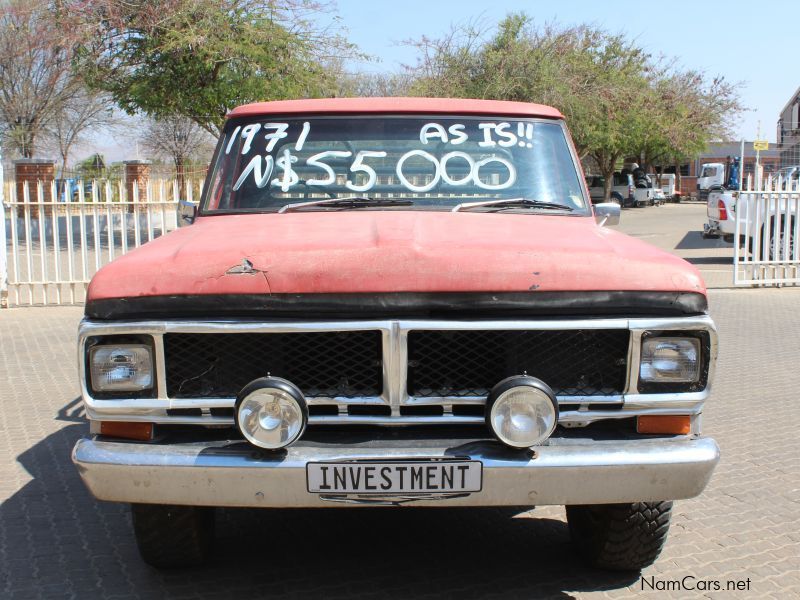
{"type": "Point", "coordinates": [568, 471]}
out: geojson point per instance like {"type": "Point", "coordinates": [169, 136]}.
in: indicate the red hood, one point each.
{"type": "Point", "coordinates": [390, 251]}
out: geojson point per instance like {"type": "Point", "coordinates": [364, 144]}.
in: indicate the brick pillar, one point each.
{"type": "Point", "coordinates": [34, 170]}
{"type": "Point", "coordinates": [137, 174]}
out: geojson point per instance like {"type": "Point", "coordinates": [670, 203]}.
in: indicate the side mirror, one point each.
{"type": "Point", "coordinates": [187, 212]}
{"type": "Point", "coordinates": [607, 213]}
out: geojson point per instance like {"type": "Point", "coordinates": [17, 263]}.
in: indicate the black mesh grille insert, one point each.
{"type": "Point", "coordinates": [579, 362]}
{"type": "Point", "coordinates": [346, 363]}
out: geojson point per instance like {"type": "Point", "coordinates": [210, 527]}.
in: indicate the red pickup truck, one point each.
{"type": "Point", "coordinates": [397, 301]}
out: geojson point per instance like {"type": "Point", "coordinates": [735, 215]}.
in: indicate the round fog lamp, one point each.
{"type": "Point", "coordinates": [271, 412]}
{"type": "Point", "coordinates": [522, 411]}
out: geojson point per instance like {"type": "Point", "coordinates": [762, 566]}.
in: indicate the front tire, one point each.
{"type": "Point", "coordinates": [620, 537]}
{"type": "Point", "coordinates": [173, 536]}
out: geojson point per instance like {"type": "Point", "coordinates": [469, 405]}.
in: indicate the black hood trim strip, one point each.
{"type": "Point", "coordinates": [403, 304]}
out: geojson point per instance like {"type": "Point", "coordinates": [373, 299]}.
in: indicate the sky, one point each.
{"type": "Point", "coordinates": [752, 44]}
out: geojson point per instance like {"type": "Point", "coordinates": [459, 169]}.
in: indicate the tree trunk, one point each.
{"type": "Point", "coordinates": [609, 183]}
{"type": "Point", "coordinates": [64, 158]}
{"type": "Point", "coordinates": [607, 165]}
{"type": "Point", "coordinates": [27, 143]}
{"type": "Point", "coordinates": [25, 137]}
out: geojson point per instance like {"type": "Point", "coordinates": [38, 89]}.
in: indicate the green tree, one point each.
{"type": "Point", "coordinates": [200, 58]}
{"type": "Point", "coordinates": [596, 79]}
{"type": "Point", "coordinates": [361, 84]}
{"type": "Point", "coordinates": [685, 111]}
{"type": "Point", "coordinates": [616, 98]}
{"type": "Point", "coordinates": [611, 118]}
{"type": "Point", "coordinates": [92, 167]}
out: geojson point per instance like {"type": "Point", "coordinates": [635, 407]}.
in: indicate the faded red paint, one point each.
{"type": "Point", "coordinates": [445, 106]}
{"type": "Point", "coordinates": [393, 251]}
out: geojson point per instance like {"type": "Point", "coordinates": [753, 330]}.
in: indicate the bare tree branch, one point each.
{"type": "Point", "coordinates": [36, 78]}
{"type": "Point", "coordinates": [179, 139]}
{"type": "Point", "coordinates": [86, 112]}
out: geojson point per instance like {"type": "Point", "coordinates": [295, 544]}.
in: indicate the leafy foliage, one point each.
{"type": "Point", "coordinates": [200, 58]}
{"type": "Point", "coordinates": [619, 101]}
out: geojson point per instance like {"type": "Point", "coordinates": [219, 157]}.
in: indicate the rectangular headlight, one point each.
{"type": "Point", "coordinates": [670, 360]}
{"type": "Point", "coordinates": [121, 368]}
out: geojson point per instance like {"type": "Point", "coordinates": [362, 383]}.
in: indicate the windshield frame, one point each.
{"type": "Point", "coordinates": [585, 211]}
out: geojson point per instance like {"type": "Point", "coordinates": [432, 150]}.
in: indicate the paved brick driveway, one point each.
{"type": "Point", "coordinates": [56, 541]}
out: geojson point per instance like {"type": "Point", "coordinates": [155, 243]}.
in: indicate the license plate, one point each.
{"type": "Point", "coordinates": [388, 478]}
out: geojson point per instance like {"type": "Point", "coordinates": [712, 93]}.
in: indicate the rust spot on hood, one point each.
{"type": "Point", "coordinates": [246, 268]}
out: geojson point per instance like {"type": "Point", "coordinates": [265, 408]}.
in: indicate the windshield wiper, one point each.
{"type": "Point", "coordinates": [512, 203]}
{"type": "Point", "coordinates": [351, 202]}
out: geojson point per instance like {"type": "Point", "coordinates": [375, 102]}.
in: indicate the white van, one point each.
{"type": "Point", "coordinates": [668, 185]}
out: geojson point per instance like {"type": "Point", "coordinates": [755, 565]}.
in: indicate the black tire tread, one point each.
{"type": "Point", "coordinates": [620, 537]}
{"type": "Point", "coordinates": [173, 536]}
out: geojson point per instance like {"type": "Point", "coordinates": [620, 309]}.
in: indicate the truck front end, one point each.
{"type": "Point", "coordinates": [397, 302]}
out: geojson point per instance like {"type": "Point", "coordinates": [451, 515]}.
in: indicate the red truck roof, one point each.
{"type": "Point", "coordinates": [452, 106]}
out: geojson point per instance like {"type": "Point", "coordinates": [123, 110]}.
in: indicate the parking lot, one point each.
{"type": "Point", "coordinates": [678, 228]}
{"type": "Point", "coordinates": [56, 541]}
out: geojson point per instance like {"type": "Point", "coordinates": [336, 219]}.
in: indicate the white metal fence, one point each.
{"type": "Point", "coordinates": [53, 240]}
{"type": "Point", "coordinates": [767, 227]}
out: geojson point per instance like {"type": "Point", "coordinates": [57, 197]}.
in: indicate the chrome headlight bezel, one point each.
{"type": "Point", "coordinates": [701, 343]}
{"type": "Point", "coordinates": [542, 403]}
{"type": "Point", "coordinates": [137, 342]}
{"type": "Point", "coordinates": [250, 413]}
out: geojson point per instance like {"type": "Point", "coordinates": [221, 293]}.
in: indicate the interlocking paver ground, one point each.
{"type": "Point", "coordinates": [56, 541]}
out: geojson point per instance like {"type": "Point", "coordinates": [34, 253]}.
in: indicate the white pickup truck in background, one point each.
{"type": "Point", "coordinates": [720, 207]}
{"type": "Point", "coordinates": [718, 184]}
{"type": "Point", "coordinates": [769, 224]}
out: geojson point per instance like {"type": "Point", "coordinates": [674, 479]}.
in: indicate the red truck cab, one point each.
{"type": "Point", "coordinates": [397, 301]}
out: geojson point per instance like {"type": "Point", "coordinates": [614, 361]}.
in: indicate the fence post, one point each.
{"type": "Point", "coordinates": [3, 248]}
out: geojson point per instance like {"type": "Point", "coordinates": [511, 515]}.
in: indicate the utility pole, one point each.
{"type": "Point", "coordinates": [758, 160]}
{"type": "Point", "coordinates": [741, 167]}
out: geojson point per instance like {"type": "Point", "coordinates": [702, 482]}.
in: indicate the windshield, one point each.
{"type": "Point", "coordinates": [431, 163]}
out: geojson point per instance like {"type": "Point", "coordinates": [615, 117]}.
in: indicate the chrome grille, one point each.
{"type": "Point", "coordinates": [356, 372]}
{"type": "Point", "coordinates": [459, 363]}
